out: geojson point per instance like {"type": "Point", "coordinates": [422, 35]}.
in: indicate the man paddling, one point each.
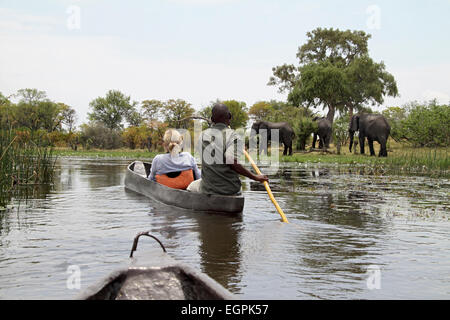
{"type": "Point", "coordinates": [220, 154]}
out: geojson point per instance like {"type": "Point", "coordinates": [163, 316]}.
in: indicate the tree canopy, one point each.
{"type": "Point", "coordinates": [112, 110]}
{"type": "Point", "coordinates": [335, 72]}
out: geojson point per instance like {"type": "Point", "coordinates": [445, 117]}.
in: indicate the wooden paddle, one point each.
{"type": "Point", "coordinates": [266, 185]}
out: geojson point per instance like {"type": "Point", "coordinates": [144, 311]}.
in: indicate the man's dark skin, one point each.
{"type": "Point", "coordinates": [221, 114]}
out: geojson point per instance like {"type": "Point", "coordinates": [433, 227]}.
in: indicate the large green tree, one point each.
{"type": "Point", "coordinates": [260, 110]}
{"type": "Point", "coordinates": [112, 110]}
{"type": "Point", "coordinates": [335, 72]}
{"type": "Point", "coordinates": [175, 110]}
{"type": "Point", "coordinates": [67, 116]}
{"type": "Point", "coordinates": [31, 96]}
{"type": "Point", "coordinates": [238, 109]}
{"type": "Point", "coordinates": [239, 113]}
{"type": "Point", "coordinates": [152, 109]}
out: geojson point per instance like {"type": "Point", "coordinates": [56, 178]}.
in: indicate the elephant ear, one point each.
{"type": "Point", "coordinates": [354, 124]}
{"type": "Point", "coordinates": [255, 128]}
{"type": "Point", "coordinates": [263, 125]}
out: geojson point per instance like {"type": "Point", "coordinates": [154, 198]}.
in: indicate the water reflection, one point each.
{"type": "Point", "coordinates": [341, 223]}
{"type": "Point", "coordinates": [217, 235]}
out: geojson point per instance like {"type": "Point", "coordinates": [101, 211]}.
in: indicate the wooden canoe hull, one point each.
{"type": "Point", "coordinates": [181, 198]}
{"type": "Point", "coordinates": [167, 281]}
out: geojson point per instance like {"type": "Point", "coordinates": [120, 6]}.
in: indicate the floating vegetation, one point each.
{"type": "Point", "coordinates": [26, 161]}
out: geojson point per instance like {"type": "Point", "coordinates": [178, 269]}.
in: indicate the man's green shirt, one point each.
{"type": "Point", "coordinates": [220, 146]}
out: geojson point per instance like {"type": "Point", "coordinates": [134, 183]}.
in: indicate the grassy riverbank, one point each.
{"type": "Point", "coordinates": [400, 158]}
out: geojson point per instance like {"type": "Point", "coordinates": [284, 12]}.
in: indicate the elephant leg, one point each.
{"type": "Point", "coordinates": [285, 149]}
{"type": "Point", "coordinates": [327, 141]}
{"type": "Point", "coordinates": [383, 148]}
{"type": "Point", "coordinates": [314, 141]}
{"type": "Point", "coordinates": [290, 149]}
{"type": "Point", "coordinates": [361, 144]}
{"type": "Point", "coordinates": [372, 150]}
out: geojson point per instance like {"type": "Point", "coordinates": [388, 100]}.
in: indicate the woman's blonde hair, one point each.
{"type": "Point", "coordinates": [173, 141]}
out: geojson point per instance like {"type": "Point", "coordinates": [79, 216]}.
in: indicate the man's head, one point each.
{"type": "Point", "coordinates": [221, 114]}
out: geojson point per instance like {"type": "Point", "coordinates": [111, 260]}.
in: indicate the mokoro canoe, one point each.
{"type": "Point", "coordinates": [181, 198]}
{"type": "Point", "coordinates": [156, 278]}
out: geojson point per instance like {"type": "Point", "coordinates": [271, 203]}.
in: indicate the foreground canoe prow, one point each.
{"type": "Point", "coordinates": [181, 198]}
{"type": "Point", "coordinates": [158, 277]}
{"type": "Point", "coordinates": [170, 282]}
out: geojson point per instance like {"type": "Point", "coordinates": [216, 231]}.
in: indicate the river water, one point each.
{"type": "Point", "coordinates": [350, 236]}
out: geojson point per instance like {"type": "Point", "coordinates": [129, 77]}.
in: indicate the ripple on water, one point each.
{"type": "Point", "coordinates": [341, 223]}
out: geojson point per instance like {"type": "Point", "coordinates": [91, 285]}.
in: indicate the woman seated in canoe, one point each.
{"type": "Point", "coordinates": [174, 169]}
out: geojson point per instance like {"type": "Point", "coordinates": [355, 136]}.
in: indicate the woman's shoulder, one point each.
{"type": "Point", "coordinates": [186, 154]}
{"type": "Point", "coordinates": [159, 157]}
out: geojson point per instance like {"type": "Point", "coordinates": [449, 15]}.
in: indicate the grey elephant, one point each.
{"type": "Point", "coordinates": [286, 133]}
{"type": "Point", "coordinates": [373, 126]}
{"type": "Point", "coordinates": [324, 131]}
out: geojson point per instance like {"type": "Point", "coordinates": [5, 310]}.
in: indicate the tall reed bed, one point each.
{"type": "Point", "coordinates": [26, 160]}
{"type": "Point", "coordinates": [424, 160]}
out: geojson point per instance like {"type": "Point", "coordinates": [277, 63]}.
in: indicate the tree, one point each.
{"type": "Point", "coordinates": [112, 110]}
{"type": "Point", "coordinates": [335, 72]}
{"type": "Point", "coordinates": [239, 113]}
{"type": "Point", "coordinates": [176, 110]}
{"type": "Point", "coordinates": [396, 116]}
{"type": "Point", "coordinates": [238, 110]}
{"type": "Point", "coordinates": [47, 116]}
{"type": "Point", "coordinates": [152, 109]}
{"type": "Point", "coordinates": [340, 132]}
{"type": "Point", "coordinates": [67, 116]}
{"type": "Point", "coordinates": [31, 96]}
{"type": "Point", "coordinates": [260, 110]}
{"type": "Point", "coordinates": [427, 125]}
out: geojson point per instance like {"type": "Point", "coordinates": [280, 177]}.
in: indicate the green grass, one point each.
{"type": "Point", "coordinates": [434, 162]}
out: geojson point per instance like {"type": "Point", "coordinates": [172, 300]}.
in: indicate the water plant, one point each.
{"type": "Point", "coordinates": [26, 161]}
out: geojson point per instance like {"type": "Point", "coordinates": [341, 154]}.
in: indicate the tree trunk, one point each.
{"type": "Point", "coordinates": [330, 114]}
{"type": "Point", "coordinates": [350, 113]}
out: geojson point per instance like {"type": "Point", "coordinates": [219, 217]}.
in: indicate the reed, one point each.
{"type": "Point", "coordinates": [25, 161]}
{"type": "Point", "coordinates": [426, 161]}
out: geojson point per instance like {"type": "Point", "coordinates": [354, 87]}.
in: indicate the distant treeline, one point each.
{"type": "Point", "coordinates": [115, 121]}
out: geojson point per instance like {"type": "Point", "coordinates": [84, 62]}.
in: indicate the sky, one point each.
{"type": "Point", "coordinates": [203, 50]}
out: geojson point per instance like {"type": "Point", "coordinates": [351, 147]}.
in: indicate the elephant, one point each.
{"type": "Point", "coordinates": [323, 132]}
{"type": "Point", "coordinates": [373, 126]}
{"type": "Point", "coordinates": [286, 133]}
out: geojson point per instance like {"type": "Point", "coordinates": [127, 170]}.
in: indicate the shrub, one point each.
{"type": "Point", "coordinates": [137, 137]}
{"type": "Point", "coordinates": [340, 132]}
{"type": "Point", "coordinates": [427, 125]}
{"type": "Point", "coordinates": [303, 128]}
{"type": "Point", "coordinates": [99, 136]}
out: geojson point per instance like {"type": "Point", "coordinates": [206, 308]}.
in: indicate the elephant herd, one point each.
{"type": "Point", "coordinates": [374, 127]}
